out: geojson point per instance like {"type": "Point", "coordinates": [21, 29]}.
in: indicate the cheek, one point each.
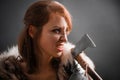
{"type": "Point", "coordinates": [53, 38]}
{"type": "Point", "coordinates": [49, 39]}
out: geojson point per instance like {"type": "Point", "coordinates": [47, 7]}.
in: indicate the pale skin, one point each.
{"type": "Point", "coordinates": [51, 43]}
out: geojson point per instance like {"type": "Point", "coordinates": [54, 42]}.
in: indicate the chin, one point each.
{"type": "Point", "coordinates": [59, 54]}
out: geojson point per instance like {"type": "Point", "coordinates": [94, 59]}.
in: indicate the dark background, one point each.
{"type": "Point", "coordinates": [99, 18]}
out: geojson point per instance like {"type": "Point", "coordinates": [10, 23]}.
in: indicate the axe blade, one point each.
{"type": "Point", "coordinates": [84, 43]}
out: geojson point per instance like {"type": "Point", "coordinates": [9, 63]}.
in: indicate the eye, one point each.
{"type": "Point", "coordinates": [56, 31]}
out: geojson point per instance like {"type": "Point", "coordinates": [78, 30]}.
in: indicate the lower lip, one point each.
{"type": "Point", "coordinates": [60, 49]}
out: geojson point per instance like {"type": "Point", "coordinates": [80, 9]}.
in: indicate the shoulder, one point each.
{"type": "Point", "coordinates": [71, 66]}
{"type": "Point", "coordinates": [9, 65]}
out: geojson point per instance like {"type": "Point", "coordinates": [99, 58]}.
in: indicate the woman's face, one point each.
{"type": "Point", "coordinates": [53, 36]}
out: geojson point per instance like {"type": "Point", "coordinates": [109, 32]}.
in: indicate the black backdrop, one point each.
{"type": "Point", "coordinates": [99, 18]}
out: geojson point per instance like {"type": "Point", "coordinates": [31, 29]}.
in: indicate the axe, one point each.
{"type": "Point", "coordinates": [80, 46]}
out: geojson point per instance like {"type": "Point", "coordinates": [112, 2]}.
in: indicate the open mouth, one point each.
{"type": "Point", "coordinates": [60, 47]}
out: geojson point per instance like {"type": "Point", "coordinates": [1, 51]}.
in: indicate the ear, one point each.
{"type": "Point", "coordinates": [32, 30]}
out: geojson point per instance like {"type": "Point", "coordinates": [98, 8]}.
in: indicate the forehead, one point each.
{"type": "Point", "coordinates": [57, 20]}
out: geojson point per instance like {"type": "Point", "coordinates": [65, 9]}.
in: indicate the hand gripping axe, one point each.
{"type": "Point", "coordinates": [80, 46]}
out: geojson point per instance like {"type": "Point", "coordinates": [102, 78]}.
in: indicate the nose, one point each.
{"type": "Point", "coordinates": [64, 38]}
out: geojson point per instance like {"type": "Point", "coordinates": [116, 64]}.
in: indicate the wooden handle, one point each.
{"type": "Point", "coordinates": [90, 71]}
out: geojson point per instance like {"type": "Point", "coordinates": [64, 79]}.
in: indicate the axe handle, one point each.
{"type": "Point", "coordinates": [90, 71]}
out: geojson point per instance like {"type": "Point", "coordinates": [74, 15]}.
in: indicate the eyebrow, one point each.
{"type": "Point", "coordinates": [57, 26]}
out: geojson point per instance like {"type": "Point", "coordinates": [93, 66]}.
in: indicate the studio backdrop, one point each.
{"type": "Point", "coordinates": [98, 18]}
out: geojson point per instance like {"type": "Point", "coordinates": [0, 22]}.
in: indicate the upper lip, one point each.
{"type": "Point", "coordinates": [60, 44]}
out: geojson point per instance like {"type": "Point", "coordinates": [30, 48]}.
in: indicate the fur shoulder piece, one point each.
{"type": "Point", "coordinates": [9, 65]}
{"type": "Point", "coordinates": [13, 51]}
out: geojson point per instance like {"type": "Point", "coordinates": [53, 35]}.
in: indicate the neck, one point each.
{"type": "Point", "coordinates": [44, 61]}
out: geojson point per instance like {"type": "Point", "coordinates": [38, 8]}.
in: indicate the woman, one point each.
{"type": "Point", "coordinates": [43, 52]}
